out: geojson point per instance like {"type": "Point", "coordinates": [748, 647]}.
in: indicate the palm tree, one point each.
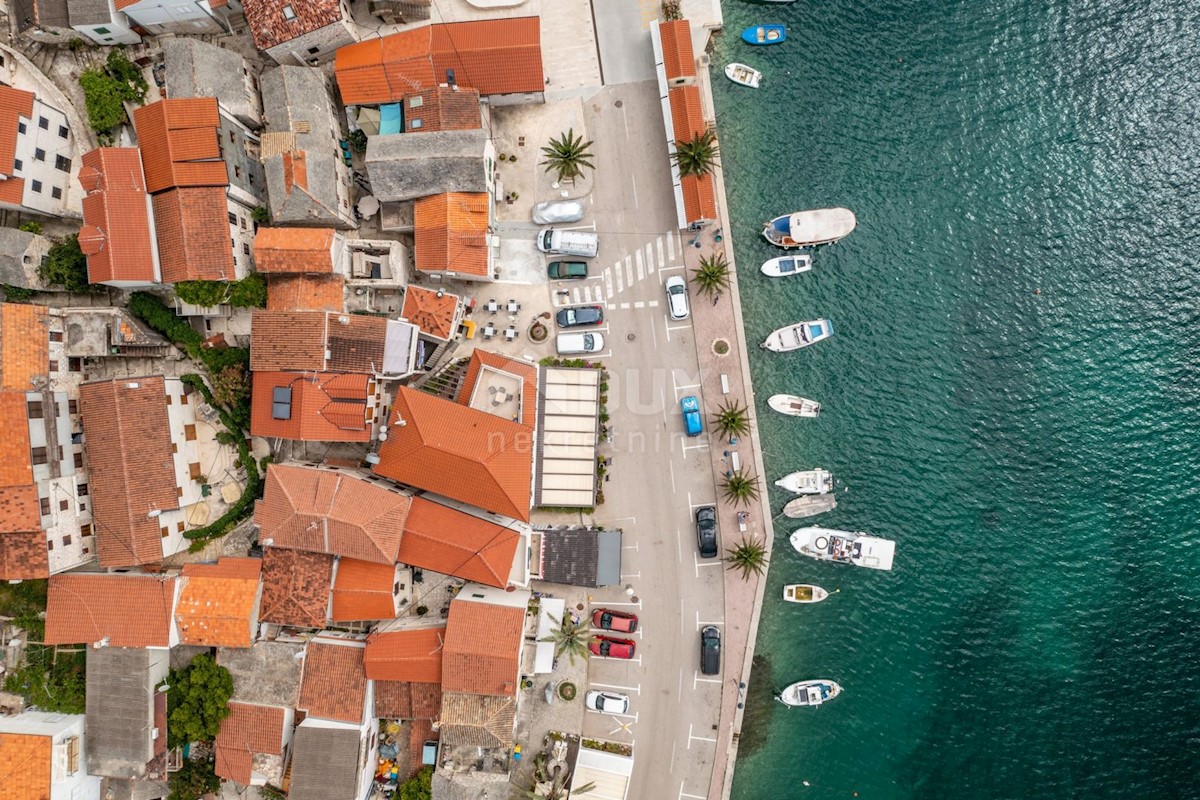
{"type": "Point", "coordinates": [551, 786]}
{"type": "Point", "coordinates": [712, 275]}
{"type": "Point", "coordinates": [699, 155]}
{"type": "Point", "coordinates": [750, 556]}
{"type": "Point", "coordinates": [741, 488]}
{"type": "Point", "coordinates": [732, 419]}
{"type": "Point", "coordinates": [570, 637]}
{"type": "Point", "coordinates": [567, 156]}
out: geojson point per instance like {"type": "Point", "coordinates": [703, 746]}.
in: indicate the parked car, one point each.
{"type": "Point", "coordinates": [578, 316]}
{"type": "Point", "coordinates": [710, 650]}
{"type": "Point", "coordinates": [611, 647]}
{"type": "Point", "coordinates": [706, 531]}
{"type": "Point", "coordinates": [607, 702]}
{"type": "Point", "coordinates": [677, 298]}
{"type": "Point", "coordinates": [553, 212]}
{"type": "Point", "coordinates": [570, 344]}
{"type": "Point", "coordinates": [567, 270]}
{"type": "Point", "coordinates": [691, 415]}
{"type": "Point", "coordinates": [608, 620]}
{"type": "Point", "coordinates": [584, 244]}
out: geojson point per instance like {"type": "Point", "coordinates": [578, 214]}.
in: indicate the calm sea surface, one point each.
{"type": "Point", "coordinates": [1012, 394]}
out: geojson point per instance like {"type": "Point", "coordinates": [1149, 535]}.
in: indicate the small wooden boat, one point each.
{"type": "Point", "coordinates": [808, 228]}
{"type": "Point", "coordinates": [794, 406]}
{"type": "Point", "coordinates": [802, 334]}
{"type": "Point", "coordinates": [804, 593]}
{"type": "Point", "coordinates": [808, 481]}
{"type": "Point", "coordinates": [809, 506]}
{"type": "Point", "coordinates": [809, 693]}
{"type": "Point", "coordinates": [764, 34]}
{"type": "Point", "coordinates": [746, 76]}
{"type": "Point", "coordinates": [784, 266]}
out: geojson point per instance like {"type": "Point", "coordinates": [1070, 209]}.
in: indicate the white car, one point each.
{"type": "Point", "coordinates": [553, 212]}
{"type": "Point", "coordinates": [573, 344]}
{"type": "Point", "coordinates": [607, 702]}
{"type": "Point", "coordinates": [677, 298]}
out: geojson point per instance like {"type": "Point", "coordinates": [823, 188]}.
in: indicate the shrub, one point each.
{"type": "Point", "coordinates": [107, 89]}
{"type": "Point", "coordinates": [49, 683]}
{"type": "Point", "coordinates": [260, 215]}
{"type": "Point", "coordinates": [250, 292]}
{"type": "Point", "coordinates": [358, 141]}
{"type": "Point", "coordinates": [66, 266]}
{"type": "Point", "coordinates": [30, 227]}
{"type": "Point", "coordinates": [197, 701]}
{"type": "Point", "coordinates": [16, 294]}
{"type": "Point", "coordinates": [418, 787]}
{"type": "Point", "coordinates": [193, 781]}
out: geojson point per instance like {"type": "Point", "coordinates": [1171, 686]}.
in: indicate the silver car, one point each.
{"type": "Point", "coordinates": [553, 212]}
{"type": "Point", "coordinates": [607, 702]}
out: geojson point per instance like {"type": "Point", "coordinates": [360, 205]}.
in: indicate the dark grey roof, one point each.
{"type": "Point", "coordinates": [122, 789]}
{"type": "Point", "coordinates": [404, 166]}
{"type": "Point", "coordinates": [14, 245]}
{"type": "Point", "coordinates": [120, 710]}
{"type": "Point", "coordinates": [47, 13]}
{"type": "Point", "coordinates": [200, 69]}
{"type": "Point", "coordinates": [89, 12]}
{"type": "Point", "coordinates": [580, 557]}
{"type": "Point", "coordinates": [608, 567]}
{"type": "Point", "coordinates": [324, 763]}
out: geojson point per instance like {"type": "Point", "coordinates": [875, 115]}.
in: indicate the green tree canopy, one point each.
{"type": "Point", "coordinates": [106, 90]}
{"type": "Point", "coordinates": [197, 701]}
{"type": "Point", "coordinates": [66, 266]}
{"type": "Point", "coordinates": [418, 787]}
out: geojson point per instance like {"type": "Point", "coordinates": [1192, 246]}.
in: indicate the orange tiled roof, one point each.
{"type": "Point", "coordinates": [193, 234]}
{"type": "Point", "coordinates": [458, 452]}
{"type": "Point", "coordinates": [270, 27]}
{"type": "Point", "coordinates": [117, 235]}
{"type": "Point", "coordinates": [445, 540]}
{"type": "Point", "coordinates": [299, 340]}
{"type": "Point", "coordinates": [22, 541]}
{"type": "Point", "coordinates": [451, 233]}
{"type": "Point", "coordinates": [306, 293]}
{"type": "Point", "coordinates": [362, 590]}
{"type": "Point", "coordinates": [294, 249]}
{"type": "Point", "coordinates": [523, 369]}
{"type": "Point", "coordinates": [679, 61]}
{"type": "Point", "coordinates": [434, 312]}
{"type": "Point", "coordinates": [24, 346]}
{"type": "Point", "coordinates": [699, 197]}
{"type": "Point", "coordinates": [23, 556]}
{"type": "Point", "coordinates": [295, 587]}
{"type": "Point", "coordinates": [249, 730]}
{"type": "Point", "coordinates": [179, 143]}
{"type": "Point", "coordinates": [442, 108]}
{"type": "Point", "coordinates": [407, 700]}
{"type": "Point", "coordinates": [218, 603]}
{"type": "Point", "coordinates": [26, 762]}
{"type": "Point", "coordinates": [132, 473]}
{"type": "Point", "coordinates": [127, 609]}
{"type": "Point", "coordinates": [687, 115]}
{"type": "Point", "coordinates": [483, 648]}
{"type": "Point", "coordinates": [14, 104]}
{"type": "Point", "coordinates": [330, 512]}
{"type": "Point", "coordinates": [325, 406]}
{"type": "Point", "coordinates": [406, 655]}
{"type": "Point", "coordinates": [334, 685]}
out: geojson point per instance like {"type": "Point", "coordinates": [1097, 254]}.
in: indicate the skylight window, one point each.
{"type": "Point", "coordinates": [288, 13]}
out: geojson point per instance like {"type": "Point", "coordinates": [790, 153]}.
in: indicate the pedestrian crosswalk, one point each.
{"type": "Point", "coordinates": [642, 264]}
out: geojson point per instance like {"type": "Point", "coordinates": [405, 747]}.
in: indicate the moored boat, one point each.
{"type": "Point", "coordinates": [804, 593]}
{"type": "Point", "coordinates": [794, 405]}
{"type": "Point", "coordinates": [809, 693]}
{"type": "Point", "coordinates": [844, 547]}
{"type": "Point", "coordinates": [808, 481]}
{"type": "Point", "coordinates": [802, 334]}
{"type": "Point", "coordinates": [808, 228]}
{"type": "Point", "coordinates": [743, 74]}
{"type": "Point", "coordinates": [809, 506]}
{"type": "Point", "coordinates": [764, 34]}
{"type": "Point", "coordinates": [784, 266]}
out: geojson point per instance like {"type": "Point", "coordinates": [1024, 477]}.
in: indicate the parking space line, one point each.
{"type": "Point", "coordinates": [625, 575]}
{"type": "Point", "coordinates": [667, 328]}
{"type": "Point", "coordinates": [692, 505]}
{"type": "Point", "coordinates": [629, 270]}
{"type": "Point", "coordinates": [654, 336]}
{"type": "Point", "coordinates": [641, 266]}
{"type": "Point", "coordinates": [700, 624]}
{"type": "Point", "coordinates": [679, 545]}
{"type": "Point", "coordinates": [683, 794]}
{"type": "Point", "coordinates": [695, 446]}
{"type": "Point", "coordinates": [679, 328]}
{"type": "Point", "coordinates": [638, 604]}
{"type": "Point", "coordinates": [653, 304]}
{"type": "Point", "coordinates": [697, 738]}
{"type": "Point", "coordinates": [699, 563]}
{"type": "Point", "coordinates": [635, 689]}
{"type": "Point", "coordinates": [635, 660]}
{"type": "Point", "coordinates": [697, 679]}
{"type": "Point", "coordinates": [671, 467]}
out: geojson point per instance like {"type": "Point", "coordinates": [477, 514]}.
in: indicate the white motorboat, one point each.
{"type": "Point", "coordinates": [808, 481]}
{"type": "Point", "coordinates": [784, 266]}
{"type": "Point", "coordinates": [794, 405]}
{"type": "Point", "coordinates": [804, 593]}
{"type": "Point", "coordinates": [809, 228]}
{"type": "Point", "coordinates": [859, 549]}
{"type": "Point", "coordinates": [802, 334]}
{"type": "Point", "coordinates": [809, 506]}
{"type": "Point", "coordinates": [743, 74]}
{"type": "Point", "coordinates": [809, 693]}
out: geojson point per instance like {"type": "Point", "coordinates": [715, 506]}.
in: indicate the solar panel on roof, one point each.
{"type": "Point", "coordinates": [281, 402]}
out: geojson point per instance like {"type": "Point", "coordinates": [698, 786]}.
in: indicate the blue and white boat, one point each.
{"type": "Point", "coordinates": [810, 228]}
{"type": "Point", "coordinates": [802, 334]}
{"type": "Point", "coordinates": [787, 265]}
{"type": "Point", "coordinates": [809, 693]}
{"type": "Point", "coordinates": [764, 34]}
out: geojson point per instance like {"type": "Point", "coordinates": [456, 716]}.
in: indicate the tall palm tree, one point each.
{"type": "Point", "coordinates": [732, 419]}
{"type": "Point", "coordinates": [740, 488]}
{"type": "Point", "coordinates": [567, 156]}
{"type": "Point", "coordinates": [698, 155]}
{"type": "Point", "coordinates": [750, 557]}
{"type": "Point", "coordinates": [712, 275]}
{"type": "Point", "coordinates": [570, 637]}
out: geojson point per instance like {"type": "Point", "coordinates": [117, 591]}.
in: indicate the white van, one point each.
{"type": "Point", "coordinates": [584, 244]}
{"type": "Point", "coordinates": [571, 344]}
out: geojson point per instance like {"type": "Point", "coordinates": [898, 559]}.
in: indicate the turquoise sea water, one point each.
{"type": "Point", "coordinates": [1012, 393]}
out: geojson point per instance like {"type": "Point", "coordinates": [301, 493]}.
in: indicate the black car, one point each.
{"type": "Point", "coordinates": [706, 531]}
{"type": "Point", "coordinates": [710, 650]}
{"type": "Point", "coordinates": [577, 316]}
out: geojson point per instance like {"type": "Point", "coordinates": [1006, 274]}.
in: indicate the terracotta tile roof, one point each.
{"type": "Point", "coordinates": [23, 556]}
{"type": "Point", "coordinates": [442, 108]}
{"type": "Point", "coordinates": [295, 587]}
{"type": "Point", "coordinates": [128, 609]}
{"type": "Point", "coordinates": [179, 143]}
{"type": "Point", "coordinates": [22, 540]}
{"type": "Point", "coordinates": [193, 234]}
{"type": "Point", "coordinates": [472, 720]}
{"type": "Point", "coordinates": [249, 730]}
{"type": "Point", "coordinates": [218, 603]}
{"type": "Point", "coordinates": [14, 104]}
{"type": "Point", "coordinates": [325, 406]}
{"type": "Point", "coordinates": [321, 511]}
{"type": "Point", "coordinates": [523, 369]}
{"type": "Point", "coordinates": [26, 762]}
{"type": "Point", "coordinates": [679, 61]}
{"type": "Point", "coordinates": [687, 115]}
{"type": "Point", "coordinates": [117, 236]}
{"type": "Point", "coordinates": [24, 346]}
{"type": "Point", "coordinates": [458, 452]}
{"type": "Point", "coordinates": [362, 590]}
{"type": "Point", "coordinates": [270, 27]}
{"type": "Point", "coordinates": [495, 56]}
{"type": "Point", "coordinates": [306, 293]}
{"type": "Point", "coordinates": [435, 315]}
{"type": "Point", "coordinates": [406, 655]}
{"type": "Point", "coordinates": [334, 685]}
{"type": "Point", "coordinates": [295, 170]}
{"type": "Point", "coordinates": [699, 197]}
{"type": "Point", "coordinates": [299, 340]}
{"type": "Point", "coordinates": [132, 473]}
{"type": "Point", "coordinates": [405, 700]}
{"type": "Point", "coordinates": [483, 648]}
{"type": "Point", "coordinates": [442, 539]}
{"type": "Point", "coordinates": [12, 191]}
{"type": "Point", "coordinates": [294, 249]}
{"type": "Point", "coordinates": [451, 233]}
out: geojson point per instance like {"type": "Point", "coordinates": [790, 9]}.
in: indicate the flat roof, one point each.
{"type": "Point", "coordinates": [570, 437]}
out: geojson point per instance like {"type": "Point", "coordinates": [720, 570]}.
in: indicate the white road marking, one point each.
{"type": "Point", "coordinates": [692, 506]}
{"type": "Point", "coordinates": [575, 294]}
{"type": "Point", "coordinates": [625, 306]}
{"type": "Point", "coordinates": [683, 794]}
{"type": "Point", "coordinates": [635, 660]}
{"type": "Point", "coordinates": [633, 183]}
{"type": "Point", "coordinates": [608, 281]}
{"type": "Point", "coordinates": [653, 304]}
{"type": "Point", "coordinates": [635, 689]}
{"type": "Point", "coordinates": [697, 679]}
{"type": "Point", "coordinates": [629, 270]}
{"type": "Point", "coordinates": [700, 624]}
{"type": "Point", "coordinates": [671, 246]}
{"type": "Point", "coordinates": [638, 604]}
{"type": "Point", "coordinates": [639, 304]}
{"type": "Point", "coordinates": [620, 276]}
{"type": "Point", "coordinates": [649, 257]}
{"type": "Point", "coordinates": [641, 265]}
{"type": "Point", "coordinates": [695, 446]}
{"type": "Point", "coordinates": [679, 545]}
{"type": "Point", "coordinates": [671, 467]}
{"type": "Point", "coordinates": [599, 294]}
{"type": "Point", "coordinates": [662, 261]}
{"type": "Point", "coordinates": [679, 328]}
{"type": "Point", "coordinates": [631, 575]}
{"type": "Point", "coordinates": [679, 694]}
{"type": "Point", "coordinates": [699, 564]}
{"type": "Point", "coordinates": [699, 739]}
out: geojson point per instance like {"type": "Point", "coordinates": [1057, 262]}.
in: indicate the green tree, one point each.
{"type": "Point", "coordinates": [712, 275]}
{"type": "Point", "coordinates": [418, 787]}
{"type": "Point", "coordinates": [570, 637]}
{"type": "Point", "coordinates": [229, 386]}
{"type": "Point", "coordinates": [106, 90]}
{"type": "Point", "coordinates": [197, 701]}
{"type": "Point", "coordinates": [261, 215]}
{"type": "Point", "coordinates": [250, 292]}
{"type": "Point", "coordinates": [196, 779]}
{"type": "Point", "coordinates": [740, 488]}
{"type": "Point", "coordinates": [697, 155]}
{"type": "Point", "coordinates": [567, 155]}
{"type": "Point", "coordinates": [732, 419]}
{"type": "Point", "coordinates": [66, 266]}
{"type": "Point", "coordinates": [749, 557]}
{"type": "Point", "coordinates": [30, 227]}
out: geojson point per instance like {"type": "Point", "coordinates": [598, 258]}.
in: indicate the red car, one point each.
{"type": "Point", "coordinates": [609, 620]}
{"type": "Point", "coordinates": [610, 647]}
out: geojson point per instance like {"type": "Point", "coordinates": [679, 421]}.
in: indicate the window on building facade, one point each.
{"type": "Point", "coordinates": [63, 505]}
{"type": "Point", "coordinates": [189, 432]}
{"type": "Point", "coordinates": [232, 218]}
{"type": "Point", "coordinates": [62, 163]}
{"type": "Point", "coordinates": [39, 154]}
{"type": "Point", "coordinates": [43, 123]}
{"type": "Point", "coordinates": [62, 131]}
{"type": "Point", "coordinates": [67, 540]}
{"type": "Point", "coordinates": [74, 365]}
{"type": "Point", "coordinates": [17, 165]}
{"type": "Point", "coordinates": [56, 193]}
{"type": "Point", "coordinates": [81, 490]}
{"type": "Point", "coordinates": [37, 186]}
{"type": "Point", "coordinates": [245, 248]}
{"type": "Point", "coordinates": [56, 336]}
{"type": "Point", "coordinates": [35, 409]}
{"type": "Point", "coordinates": [79, 461]}
{"type": "Point", "coordinates": [86, 529]}
{"type": "Point", "coordinates": [21, 127]}
{"type": "Point", "coordinates": [39, 455]}
{"type": "Point", "coordinates": [102, 31]}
